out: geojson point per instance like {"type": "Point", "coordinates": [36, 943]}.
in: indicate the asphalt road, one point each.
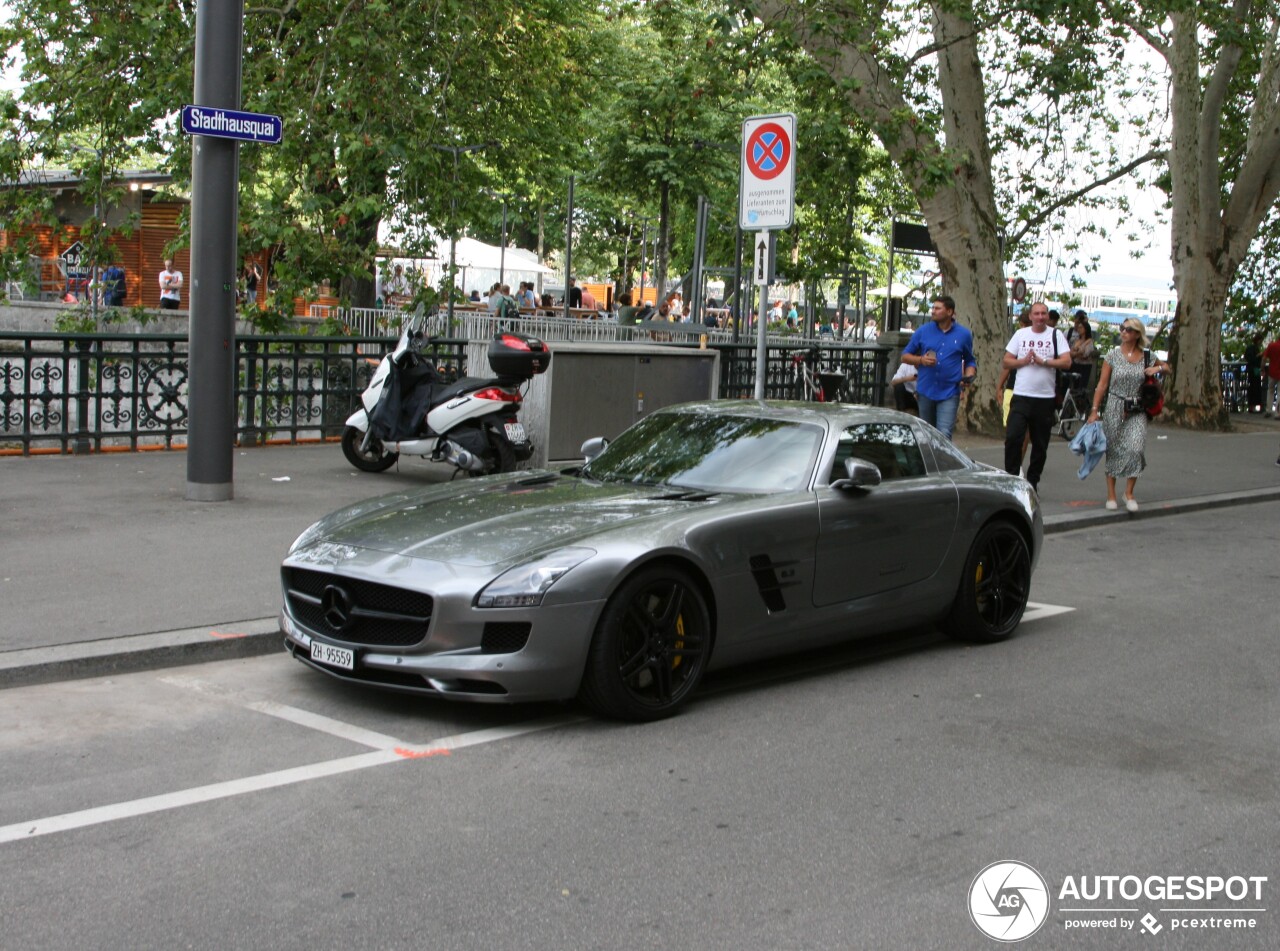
{"type": "Point", "coordinates": [842, 800]}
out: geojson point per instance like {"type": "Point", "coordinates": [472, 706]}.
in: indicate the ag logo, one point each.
{"type": "Point", "coordinates": [1009, 901]}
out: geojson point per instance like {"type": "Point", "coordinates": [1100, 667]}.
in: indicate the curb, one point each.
{"type": "Point", "coordinates": [1055, 524]}
{"type": "Point", "coordinates": [137, 652]}
{"type": "Point", "coordinates": [258, 636]}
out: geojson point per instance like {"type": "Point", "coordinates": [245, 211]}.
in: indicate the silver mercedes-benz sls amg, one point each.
{"type": "Point", "coordinates": [706, 534]}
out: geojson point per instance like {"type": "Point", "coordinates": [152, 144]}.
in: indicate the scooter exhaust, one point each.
{"type": "Point", "coordinates": [457, 456]}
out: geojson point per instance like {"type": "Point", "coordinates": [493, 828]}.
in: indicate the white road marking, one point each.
{"type": "Point", "coordinates": [1038, 612]}
{"type": "Point", "coordinates": [285, 777]}
{"type": "Point", "coordinates": [312, 721]}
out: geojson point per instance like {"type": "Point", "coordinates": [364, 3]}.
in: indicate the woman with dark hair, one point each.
{"type": "Point", "coordinates": [1124, 371]}
{"type": "Point", "coordinates": [1084, 353]}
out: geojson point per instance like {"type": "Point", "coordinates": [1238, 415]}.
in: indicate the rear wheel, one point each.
{"type": "Point", "coordinates": [501, 453]}
{"type": "Point", "coordinates": [994, 587]}
{"type": "Point", "coordinates": [650, 648]}
{"type": "Point", "coordinates": [374, 459]}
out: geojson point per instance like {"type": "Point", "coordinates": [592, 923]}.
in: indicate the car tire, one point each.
{"type": "Point", "coordinates": [650, 647]}
{"type": "Point", "coordinates": [994, 586]}
{"type": "Point", "coordinates": [375, 459]}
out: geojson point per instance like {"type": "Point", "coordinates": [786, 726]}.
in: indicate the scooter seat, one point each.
{"type": "Point", "coordinates": [464, 385]}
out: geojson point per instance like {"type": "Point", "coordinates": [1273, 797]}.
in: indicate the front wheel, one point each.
{"type": "Point", "coordinates": [373, 459]}
{"type": "Point", "coordinates": [650, 648]}
{"type": "Point", "coordinates": [994, 586]}
{"type": "Point", "coordinates": [1067, 428]}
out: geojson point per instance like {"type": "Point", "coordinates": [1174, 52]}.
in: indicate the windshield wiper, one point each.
{"type": "Point", "coordinates": [540, 479]}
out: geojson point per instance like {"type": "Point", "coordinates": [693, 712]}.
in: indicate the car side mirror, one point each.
{"type": "Point", "coordinates": [859, 474]}
{"type": "Point", "coordinates": [593, 447]}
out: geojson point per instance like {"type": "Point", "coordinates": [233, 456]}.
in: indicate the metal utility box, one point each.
{"type": "Point", "coordinates": [599, 389]}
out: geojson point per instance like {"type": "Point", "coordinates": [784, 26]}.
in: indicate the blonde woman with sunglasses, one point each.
{"type": "Point", "coordinates": [1123, 372]}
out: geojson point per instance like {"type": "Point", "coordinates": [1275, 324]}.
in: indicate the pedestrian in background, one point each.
{"type": "Point", "coordinates": [1124, 371]}
{"type": "Point", "coordinates": [1271, 362]}
{"type": "Point", "coordinates": [170, 286]}
{"type": "Point", "coordinates": [1037, 353]}
{"type": "Point", "coordinates": [942, 352]}
{"type": "Point", "coordinates": [252, 275]}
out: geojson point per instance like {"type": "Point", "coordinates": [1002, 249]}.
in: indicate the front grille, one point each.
{"type": "Point", "coordinates": [505, 637]}
{"type": "Point", "coordinates": [354, 611]}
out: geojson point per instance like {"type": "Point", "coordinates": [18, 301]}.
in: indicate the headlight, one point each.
{"type": "Point", "coordinates": [524, 585]}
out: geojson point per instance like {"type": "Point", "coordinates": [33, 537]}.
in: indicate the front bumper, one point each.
{"type": "Point", "coordinates": [548, 667]}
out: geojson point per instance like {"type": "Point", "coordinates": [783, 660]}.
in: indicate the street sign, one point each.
{"type": "Point", "coordinates": [73, 259]}
{"type": "Point", "coordinates": [765, 258]}
{"type": "Point", "coordinates": [228, 124]}
{"type": "Point", "coordinates": [1020, 290]}
{"type": "Point", "coordinates": [767, 179]}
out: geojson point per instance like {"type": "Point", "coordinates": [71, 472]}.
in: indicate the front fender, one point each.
{"type": "Point", "coordinates": [359, 419]}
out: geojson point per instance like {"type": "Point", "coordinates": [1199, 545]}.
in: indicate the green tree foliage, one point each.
{"type": "Point", "coordinates": [365, 90]}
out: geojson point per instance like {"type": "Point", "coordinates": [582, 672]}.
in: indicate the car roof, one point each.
{"type": "Point", "coordinates": [825, 414]}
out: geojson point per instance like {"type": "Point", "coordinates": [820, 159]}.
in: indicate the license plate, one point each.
{"type": "Point", "coordinates": [515, 432]}
{"type": "Point", "coordinates": [333, 656]}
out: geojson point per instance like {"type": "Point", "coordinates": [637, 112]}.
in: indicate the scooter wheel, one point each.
{"type": "Point", "coordinates": [374, 459]}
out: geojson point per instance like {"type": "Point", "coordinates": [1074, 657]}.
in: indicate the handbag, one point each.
{"type": "Point", "coordinates": [1150, 395]}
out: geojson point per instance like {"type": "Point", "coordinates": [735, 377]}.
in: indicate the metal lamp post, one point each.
{"type": "Point", "coordinates": [455, 151]}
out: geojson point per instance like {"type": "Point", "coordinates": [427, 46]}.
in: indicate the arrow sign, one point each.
{"type": "Point", "coordinates": [764, 260]}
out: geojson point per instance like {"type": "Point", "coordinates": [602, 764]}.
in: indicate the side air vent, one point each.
{"type": "Point", "coordinates": [766, 575]}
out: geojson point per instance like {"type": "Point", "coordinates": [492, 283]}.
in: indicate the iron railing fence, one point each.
{"type": "Point", "coordinates": [89, 392]}
{"type": "Point", "coordinates": [83, 392]}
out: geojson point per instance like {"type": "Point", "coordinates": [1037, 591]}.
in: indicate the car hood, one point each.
{"type": "Point", "coordinates": [490, 521]}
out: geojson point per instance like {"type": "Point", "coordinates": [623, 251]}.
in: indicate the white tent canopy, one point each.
{"type": "Point", "coordinates": [895, 290]}
{"type": "Point", "coordinates": [479, 264]}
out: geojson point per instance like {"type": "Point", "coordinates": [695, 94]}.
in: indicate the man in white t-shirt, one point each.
{"type": "Point", "coordinates": [170, 286]}
{"type": "Point", "coordinates": [1036, 352]}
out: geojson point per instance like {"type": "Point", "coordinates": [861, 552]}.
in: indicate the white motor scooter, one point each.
{"type": "Point", "coordinates": [472, 423]}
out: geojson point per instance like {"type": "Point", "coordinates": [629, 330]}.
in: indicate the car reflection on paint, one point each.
{"type": "Point", "coordinates": [707, 534]}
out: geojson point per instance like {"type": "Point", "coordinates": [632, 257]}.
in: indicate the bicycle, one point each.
{"type": "Point", "coordinates": [1074, 411]}
{"type": "Point", "coordinates": [805, 385]}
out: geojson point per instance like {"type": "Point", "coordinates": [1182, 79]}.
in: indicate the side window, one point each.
{"type": "Point", "coordinates": [946, 457]}
{"type": "Point", "coordinates": [890, 447]}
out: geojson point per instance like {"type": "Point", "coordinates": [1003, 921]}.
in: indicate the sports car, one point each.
{"type": "Point", "coordinates": [707, 534]}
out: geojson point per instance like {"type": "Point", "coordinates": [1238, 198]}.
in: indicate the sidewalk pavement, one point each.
{"type": "Point", "coordinates": [108, 568]}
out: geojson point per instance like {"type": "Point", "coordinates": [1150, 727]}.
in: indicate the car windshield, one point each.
{"type": "Point", "coordinates": [711, 452]}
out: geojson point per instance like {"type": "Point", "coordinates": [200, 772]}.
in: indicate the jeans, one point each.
{"type": "Point", "coordinates": [939, 413]}
{"type": "Point", "coordinates": [1272, 391]}
{"type": "Point", "coordinates": [1036, 414]}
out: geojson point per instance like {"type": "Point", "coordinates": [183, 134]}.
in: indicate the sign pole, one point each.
{"type": "Point", "coordinates": [215, 164]}
{"type": "Point", "coordinates": [766, 202]}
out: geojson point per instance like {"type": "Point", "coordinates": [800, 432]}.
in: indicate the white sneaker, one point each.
{"type": "Point", "coordinates": [1111, 505]}
{"type": "Point", "coordinates": [1131, 504]}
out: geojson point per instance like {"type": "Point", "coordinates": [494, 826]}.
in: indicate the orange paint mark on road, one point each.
{"type": "Point", "coordinates": [225, 637]}
{"type": "Point", "coordinates": [421, 754]}
{"type": "Point", "coordinates": [1084, 503]}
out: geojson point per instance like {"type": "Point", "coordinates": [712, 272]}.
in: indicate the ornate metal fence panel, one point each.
{"type": "Point", "coordinates": [83, 392]}
{"type": "Point", "coordinates": [89, 392]}
{"type": "Point", "coordinates": [857, 372]}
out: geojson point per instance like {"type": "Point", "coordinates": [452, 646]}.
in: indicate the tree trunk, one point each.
{"type": "Point", "coordinates": [664, 241]}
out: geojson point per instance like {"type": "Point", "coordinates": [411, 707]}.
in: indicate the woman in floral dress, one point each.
{"type": "Point", "coordinates": [1123, 372]}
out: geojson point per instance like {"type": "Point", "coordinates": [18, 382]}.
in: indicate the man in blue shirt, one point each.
{"type": "Point", "coordinates": [943, 350]}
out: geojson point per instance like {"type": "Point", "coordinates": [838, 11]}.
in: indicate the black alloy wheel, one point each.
{"type": "Point", "coordinates": [994, 586]}
{"type": "Point", "coordinates": [374, 459]}
{"type": "Point", "coordinates": [650, 648]}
